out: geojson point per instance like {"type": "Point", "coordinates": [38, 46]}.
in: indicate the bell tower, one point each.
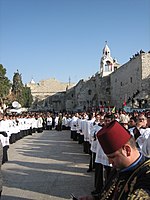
{"type": "Point", "coordinates": [107, 62]}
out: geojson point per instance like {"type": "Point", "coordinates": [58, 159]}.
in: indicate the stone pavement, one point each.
{"type": "Point", "coordinates": [45, 166]}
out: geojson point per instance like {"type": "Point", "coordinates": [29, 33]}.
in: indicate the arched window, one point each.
{"type": "Point", "coordinates": [108, 66]}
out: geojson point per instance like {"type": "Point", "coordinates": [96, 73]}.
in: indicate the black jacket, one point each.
{"type": "Point", "coordinates": [132, 184]}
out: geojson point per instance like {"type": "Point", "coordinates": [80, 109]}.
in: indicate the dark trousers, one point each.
{"type": "Point", "coordinates": [92, 160]}
{"type": "Point", "coordinates": [63, 127]}
{"type": "Point", "coordinates": [5, 155]}
{"type": "Point", "coordinates": [98, 177]}
{"type": "Point", "coordinates": [73, 135]}
{"type": "Point", "coordinates": [86, 147]}
{"type": "Point", "coordinates": [40, 130]}
{"type": "Point", "coordinates": [12, 138]}
{"type": "Point", "coordinates": [59, 127]}
{"type": "Point", "coordinates": [80, 139]}
{"type": "Point", "coordinates": [49, 127]}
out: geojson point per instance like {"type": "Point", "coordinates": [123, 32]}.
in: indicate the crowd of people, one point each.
{"type": "Point", "coordinates": [86, 128]}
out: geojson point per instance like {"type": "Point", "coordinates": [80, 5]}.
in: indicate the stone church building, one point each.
{"type": "Point", "coordinates": [113, 85]}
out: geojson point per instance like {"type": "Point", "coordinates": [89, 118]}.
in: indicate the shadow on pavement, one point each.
{"type": "Point", "coordinates": [51, 164]}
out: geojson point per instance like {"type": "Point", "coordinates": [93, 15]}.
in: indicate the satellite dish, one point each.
{"type": "Point", "coordinates": [15, 104]}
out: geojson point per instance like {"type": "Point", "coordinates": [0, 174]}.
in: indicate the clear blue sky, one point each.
{"type": "Point", "coordinates": [64, 38]}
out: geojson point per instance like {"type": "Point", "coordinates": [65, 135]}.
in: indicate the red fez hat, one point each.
{"type": "Point", "coordinates": [112, 137]}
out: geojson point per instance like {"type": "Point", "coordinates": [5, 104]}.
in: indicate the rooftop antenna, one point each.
{"type": "Point", "coordinates": [69, 80]}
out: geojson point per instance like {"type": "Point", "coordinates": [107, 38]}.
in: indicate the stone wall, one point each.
{"type": "Point", "coordinates": [129, 83]}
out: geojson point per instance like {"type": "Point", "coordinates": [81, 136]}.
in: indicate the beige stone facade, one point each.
{"type": "Point", "coordinates": [46, 88]}
{"type": "Point", "coordinates": [109, 87]}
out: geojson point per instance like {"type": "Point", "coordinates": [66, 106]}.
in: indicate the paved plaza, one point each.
{"type": "Point", "coordinates": [45, 166]}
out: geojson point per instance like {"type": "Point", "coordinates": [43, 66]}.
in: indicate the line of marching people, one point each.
{"type": "Point", "coordinates": [84, 127]}
{"type": "Point", "coordinates": [15, 127]}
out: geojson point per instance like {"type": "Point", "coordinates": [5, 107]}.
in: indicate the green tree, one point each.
{"type": "Point", "coordinates": [17, 87]}
{"type": "Point", "coordinates": [5, 84]}
{"type": "Point", "coordinates": [27, 96]}
{"type": "Point", "coordinates": [21, 93]}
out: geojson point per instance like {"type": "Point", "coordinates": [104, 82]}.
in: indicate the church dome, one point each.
{"type": "Point", "coordinates": [32, 81]}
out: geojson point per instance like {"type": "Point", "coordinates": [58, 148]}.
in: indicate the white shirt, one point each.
{"type": "Point", "coordinates": [146, 147]}
{"type": "Point", "coordinates": [95, 129]}
{"type": "Point", "coordinates": [100, 155]}
{"type": "Point", "coordinates": [39, 122]}
{"type": "Point", "coordinates": [49, 121]}
{"type": "Point", "coordinates": [73, 123]}
{"type": "Point", "coordinates": [144, 136]}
